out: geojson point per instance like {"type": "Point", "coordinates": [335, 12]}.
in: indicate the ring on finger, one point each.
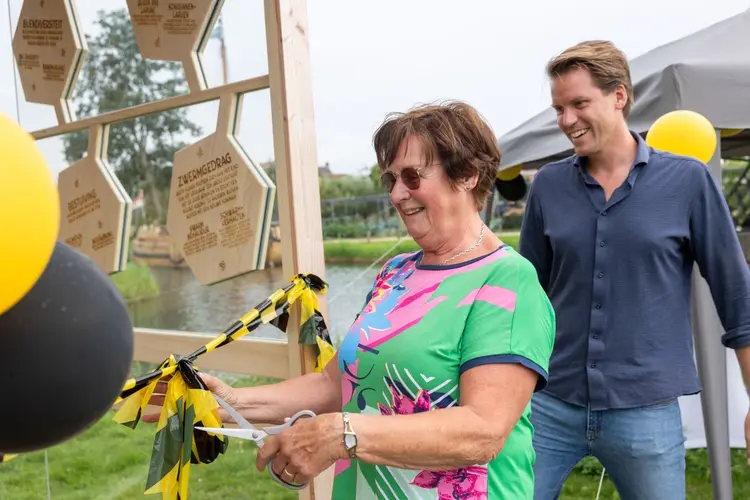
{"type": "Point", "coordinates": [279, 467]}
{"type": "Point", "coordinates": [290, 475]}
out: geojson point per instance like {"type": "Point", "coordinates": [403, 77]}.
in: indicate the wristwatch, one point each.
{"type": "Point", "coordinates": [350, 437]}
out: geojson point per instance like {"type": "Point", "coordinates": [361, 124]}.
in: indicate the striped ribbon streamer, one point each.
{"type": "Point", "coordinates": [188, 403]}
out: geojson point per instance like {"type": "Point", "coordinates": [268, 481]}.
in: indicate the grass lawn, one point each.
{"type": "Point", "coordinates": [136, 280]}
{"type": "Point", "coordinates": [366, 251]}
{"type": "Point", "coordinates": [110, 462]}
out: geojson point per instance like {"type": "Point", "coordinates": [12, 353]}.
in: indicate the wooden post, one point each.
{"type": "Point", "coordinates": [298, 193]}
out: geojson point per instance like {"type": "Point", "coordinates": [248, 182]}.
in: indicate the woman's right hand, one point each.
{"type": "Point", "coordinates": [214, 384]}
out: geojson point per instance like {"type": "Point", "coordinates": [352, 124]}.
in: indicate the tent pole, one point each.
{"type": "Point", "coordinates": [712, 367]}
{"type": "Point", "coordinates": [488, 207]}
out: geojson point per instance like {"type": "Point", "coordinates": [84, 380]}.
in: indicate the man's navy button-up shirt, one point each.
{"type": "Point", "coordinates": [618, 274]}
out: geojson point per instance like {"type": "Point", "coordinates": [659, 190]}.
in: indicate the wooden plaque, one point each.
{"type": "Point", "coordinates": [220, 203]}
{"type": "Point", "coordinates": [95, 210]}
{"type": "Point", "coordinates": [175, 31]}
{"type": "Point", "coordinates": [49, 49]}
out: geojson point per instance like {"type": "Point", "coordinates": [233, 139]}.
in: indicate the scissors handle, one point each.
{"type": "Point", "coordinates": [283, 483]}
{"type": "Point", "coordinates": [278, 429]}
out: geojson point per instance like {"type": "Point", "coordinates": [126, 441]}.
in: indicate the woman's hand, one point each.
{"type": "Point", "coordinates": [306, 449]}
{"type": "Point", "coordinates": [215, 385]}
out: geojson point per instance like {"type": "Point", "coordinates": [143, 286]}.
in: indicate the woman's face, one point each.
{"type": "Point", "coordinates": [435, 211]}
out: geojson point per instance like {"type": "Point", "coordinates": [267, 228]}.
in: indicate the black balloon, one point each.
{"type": "Point", "coordinates": [512, 190]}
{"type": "Point", "coordinates": [65, 352]}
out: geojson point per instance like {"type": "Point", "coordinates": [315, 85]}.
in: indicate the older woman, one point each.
{"type": "Point", "coordinates": [428, 396]}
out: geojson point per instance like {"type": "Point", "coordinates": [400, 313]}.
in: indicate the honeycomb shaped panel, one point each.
{"type": "Point", "coordinates": [220, 206]}
{"type": "Point", "coordinates": [49, 49]}
{"type": "Point", "coordinates": [175, 31]}
{"type": "Point", "coordinates": [95, 210]}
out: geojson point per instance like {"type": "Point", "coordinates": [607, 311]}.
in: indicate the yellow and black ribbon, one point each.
{"type": "Point", "coordinates": [188, 402]}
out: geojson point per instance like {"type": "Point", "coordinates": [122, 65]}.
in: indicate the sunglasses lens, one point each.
{"type": "Point", "coordinates": [388, 180]}
{"type": "Point", "coordinates": [410, 177]}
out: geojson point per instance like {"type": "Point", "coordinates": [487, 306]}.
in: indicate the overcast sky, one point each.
{"type": "Point", "coordinates": [372, 57]}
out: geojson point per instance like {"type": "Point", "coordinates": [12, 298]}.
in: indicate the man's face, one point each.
{"type": "Point", "coordinates": [585, 114]}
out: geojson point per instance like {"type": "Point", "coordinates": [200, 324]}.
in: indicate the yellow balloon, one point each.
{"type": "Point", "coordinates": [731, 132]}
{"type": "Point", "coordinates": [685, 133]}
{"type": "Point", "coordinates": [29, 213]}
{"type": "Point", "coordinates": [508, 174]}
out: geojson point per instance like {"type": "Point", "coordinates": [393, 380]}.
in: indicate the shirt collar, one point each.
{"type": "Point", "coordinates": [641, 158]}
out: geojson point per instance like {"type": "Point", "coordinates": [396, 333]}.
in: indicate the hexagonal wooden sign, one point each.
{"type": "Point", "coordinates": [175, 31]}
{"type": "Point", "coordinates": [220, 203]}
{"type": "Point", "coordinates": [49, 49]}
{"type": "Point", "coordinates": [95, 208]}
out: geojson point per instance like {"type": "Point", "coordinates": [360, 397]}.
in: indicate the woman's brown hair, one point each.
{"type": "Point", "coordinates": [453, 133]}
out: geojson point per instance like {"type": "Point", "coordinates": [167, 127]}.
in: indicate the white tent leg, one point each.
{"type": "Point", "coordinates": [712, 367]}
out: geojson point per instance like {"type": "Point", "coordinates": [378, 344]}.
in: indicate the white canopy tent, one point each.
{"type": "Point", "coordinates": [707, 71]}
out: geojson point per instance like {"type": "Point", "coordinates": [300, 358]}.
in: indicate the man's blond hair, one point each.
{"type": "Point", "coordinates": [607, 65]}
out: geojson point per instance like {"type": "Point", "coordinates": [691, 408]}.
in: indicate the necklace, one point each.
{"type": "Point", "coordinates": [459, 254]}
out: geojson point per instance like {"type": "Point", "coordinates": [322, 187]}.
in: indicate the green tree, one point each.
{"type": "Point", "coordinates": [347, 187]}
{"type": "Point", "coordinates": [734, 179]}
{"type": "Point", "coordinates": [375, 176]}
{"type": "Point", "coordinates": [115, 76]}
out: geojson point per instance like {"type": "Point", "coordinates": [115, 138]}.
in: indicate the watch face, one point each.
{"type": "Point", "coordinates": [350, 441]}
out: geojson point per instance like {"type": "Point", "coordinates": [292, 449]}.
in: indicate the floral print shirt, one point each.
{"type": "Point", "coordinates": [423, 326]}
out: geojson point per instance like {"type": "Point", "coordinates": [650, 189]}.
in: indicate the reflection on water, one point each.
{"type": "Point", "coordinates": [184, 304]}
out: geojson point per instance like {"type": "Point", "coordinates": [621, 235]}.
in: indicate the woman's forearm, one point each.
{"type": "Point", "coordinates": [273, 403]}
{"type": "Point", "coordinates": [436, 440]}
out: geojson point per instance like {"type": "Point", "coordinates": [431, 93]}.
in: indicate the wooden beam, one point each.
{"type": "Point", "coordinates": [246, 356]}
{"type": "Point", "coordinates": [150, 108]}
{"type": "Point", "coordinates": [296, 159]}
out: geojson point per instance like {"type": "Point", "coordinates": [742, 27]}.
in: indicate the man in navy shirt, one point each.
{"type": "Point", "coordinates": [614, 231]}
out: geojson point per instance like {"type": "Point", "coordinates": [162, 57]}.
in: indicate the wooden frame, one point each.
{"type": "Point", "coordinates": [298, 198]}
{"type": "Point", "coordinates": [248, 356]}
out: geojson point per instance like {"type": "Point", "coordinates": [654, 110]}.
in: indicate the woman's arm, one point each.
{"type": "Point", "coordinates": [271, 404]}
{"type": "Point", "coordinates": [493, 397]}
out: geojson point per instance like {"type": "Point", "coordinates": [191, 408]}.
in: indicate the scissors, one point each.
{"type": "Point", "coordinates": [248, 431]}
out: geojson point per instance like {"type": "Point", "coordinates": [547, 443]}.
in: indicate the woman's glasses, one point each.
{"type": "Point", "coordinates": [410, 175]}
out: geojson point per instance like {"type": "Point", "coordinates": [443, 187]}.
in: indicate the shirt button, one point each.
{"type": "Point", "coordinates": [600, 275]}
{"type": "Point", "coordinates": [596, 335]}
{"type": "Point", "coordinates": [601, 243]}
{"type": "Point", "coordinates": [598, 306]}
{"type": "Point", "coordinates": [604, 213]}
{"type": "Point", "coordinates": [593, 365]}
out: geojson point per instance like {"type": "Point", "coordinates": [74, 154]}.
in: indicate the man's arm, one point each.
{"type": "Point", "coordinates": [722, 263]}
{"type": "Point", "coordinates": [534, 245]}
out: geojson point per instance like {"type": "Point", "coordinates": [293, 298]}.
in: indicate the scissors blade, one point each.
{"type": "Point", "coordinates": [244, 424]}
{"type": "Point", "coordinates": [249, 434]}
{"type": "Point", "coordinates": [246, 430]}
